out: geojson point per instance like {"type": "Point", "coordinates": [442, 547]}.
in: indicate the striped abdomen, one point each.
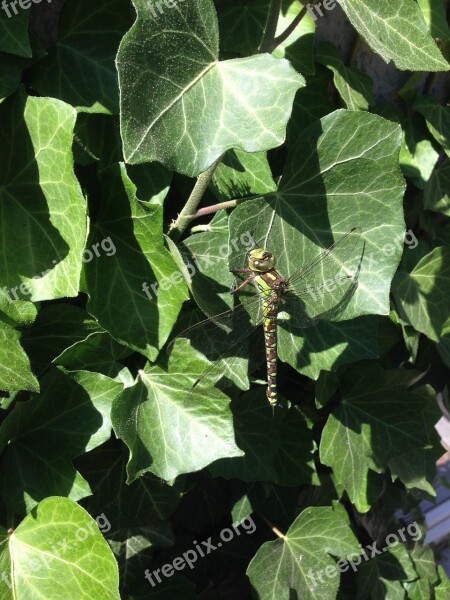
{"type": "Point", "coordinates": [270, 336]}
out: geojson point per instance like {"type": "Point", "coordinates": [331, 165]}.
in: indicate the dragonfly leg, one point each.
{"type": "Point", "coordinates": [244, 283]}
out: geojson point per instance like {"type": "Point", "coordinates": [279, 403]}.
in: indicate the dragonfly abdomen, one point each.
{"type": "Point", "coordinates": [271, 286]}
{"type": "Point", "coordinates": [270, 335]}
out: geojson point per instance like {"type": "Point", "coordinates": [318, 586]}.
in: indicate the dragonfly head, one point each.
{"type": "Point", "coordinates": [260, 260]}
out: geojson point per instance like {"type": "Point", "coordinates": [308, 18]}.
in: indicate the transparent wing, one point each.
{"type": "Point", "coordinates": [225, 340]}
{"type": "Point", "coordinates": [323, 288]}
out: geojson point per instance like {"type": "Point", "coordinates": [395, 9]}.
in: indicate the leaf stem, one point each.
{"type": "Point", "coordinates": [207, 210]}
{"type": "Point", "coordinates": [270, 27]}
{"type": "Point", "coordinates": [291, 27]}
{"type": "Point", "coordinates": [189, 210]}
{"type": "Point", "coordinates": [273, 527]}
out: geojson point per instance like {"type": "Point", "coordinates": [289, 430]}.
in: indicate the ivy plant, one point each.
{"type": "Point", "coordinates": [146, 147]}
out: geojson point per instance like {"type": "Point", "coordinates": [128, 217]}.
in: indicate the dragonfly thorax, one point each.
{"type": "Point", "coordinates": [261, 260]}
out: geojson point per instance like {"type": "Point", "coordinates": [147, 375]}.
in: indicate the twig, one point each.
{"type": "Point", "coordinates": [291, 27]}
{"type": "Point", "coordinates": [270, 28]}
{"type": "Point", "coordinates": [189, 210]}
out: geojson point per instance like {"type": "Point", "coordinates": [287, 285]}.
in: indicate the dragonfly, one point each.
{"type": "Point", "coordinates": [318, 291]}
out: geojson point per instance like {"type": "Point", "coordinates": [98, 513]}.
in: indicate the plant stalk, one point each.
{"type": "Point", "coordinates": [291, 27]}
{"type": "Point", "coordinates": [270, 28]}
{"type": "Point", "coordinates": [190, 208]}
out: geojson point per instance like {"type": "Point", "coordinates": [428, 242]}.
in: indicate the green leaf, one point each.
{"type": "Point", "coordinates": [58, 551]}
{"type": "Point", "coordinates": [44, 213]}
{"type": "Point", "coordinates": [418, 154]}
{"type": "Point", "coordinates": [396, 31]}
{"type": "Point", "coordinates": [242, 26]}
{"type": "Point", "coordinates": [277, 448]}
{"type": "Point", "coordinates": [57, 327]}
{"type": "Point", "coordinates": [354, 87]}
{"type": "Point", "coordinates": [328, 345]}
{"type": "Point", "coordinates": [435, 17]}
{"type": "Point", "coordinates": [444, 343]}
{"type": "Point", "coordinates": [437, 118]}
{"type": "Point", "coordinates": [301, 562]}
{"type": "Point", "coordinates": [15, 370]}
{"type": "Point", "coordinates": [298, 47]}
{"type": "Point", "coordinates": [204, 258]}
{"type": "Point", "coordinates": [148, 498]}
{"type": "Point", "coordinates": [151, 416]}
{"type": "Point", "coordinates": [135, 290]}
{"type": "Point", "coordinates": [378, 422]}
{"type": "Point", "coordinates": [98, 353]}
{"type": "Point", "coordinates": [97, 137]}
{"type": "Point", "coordinates": [37, 450]}
{"type": "Point", "coordinates": [241, 103]}
{"type": "Point", "coordinates": [14, 31]}
{"type": "Point", "coordinates": [11, 68]}
{"type": "Point", "coordinates": [422, 297]}
{"type": "Point", "coordinates": [311, 104]}
{"type": "Point", "coordinates": [380, 578]}
{"type": "Point", "coordinates": [342, 172]}
{"type": "Point", "coordinates": [436, 195]}
{"type": "Point", "coordinates": [152, 182]}
{"type": "Point", "coordinates": [242, 174]}
{"type": "Point", "coordinates": [88, 39]}
{"type": "Point", "coordinates": [442, 590]}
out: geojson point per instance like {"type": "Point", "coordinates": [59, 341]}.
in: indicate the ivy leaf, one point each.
{"type": "Point", "coordinates": [44, 212]}
{"type": "Point", "coordinates": [34, 436]}
{"type": "Point", "coordinates": [354, 87]}
{"type": "Point", "coordinates": [339, 175]}
{"type": "Point", "coordinates": [301, 562]}
{"type": "Point", "coordinates": [328, 345]}
{"type": "Point", "coordinates": [378, 422]}
{"type": "Point", "coordinates": [135, 290]}
{"type": "Point", "coordinates": [242, 28]}
{"type": "Point", "coordinates": [436, 195]}
{"type": "Point", "coordinates": [437, 118]}
{"type": "Point", "coordinates": [14, 31]}
{"type": "Point", "coordinates": [422, 297]}
{"type": "Point", "coordinates": [242, 174]}
{"type": "Point", "coordinates": [151, 416]}
{"type": "Point", "coordinates": [57, 327]}
{"type": "Point", "coordinates": [84, 56]}
{"type": "Point", "coordinates": [204, 259]}
{"type": "Point", "coordinates": [396, 31]}
{"type": "Point", "coordinates": [311, 104]}
{"type": "Point", "coordinates": [15, 371]}
{"type": "Point", "coordinates": [11, 68]}
{"type": "Point", "coordinates": [382, 576]}
{"type": "Point", "coordinates": [57, 550]}
{"type": "Point", "coordinates": [277, 448]}
{"type": "Point", "coordinates": [243, 103]}
{"type": "Point", "coordinates": [418, 154]}
{"type": "Point", "coordinates": [97, 137]}
{"type": "Point", "coordinates": [442, 590]}
{"type": "Point", "coordinates": [435, 17]}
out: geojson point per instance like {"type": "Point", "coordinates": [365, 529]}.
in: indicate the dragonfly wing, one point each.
{"type": "Point", "coordinates": [324, 288]}
{"type": "Point", "coordinates": [224, 340]}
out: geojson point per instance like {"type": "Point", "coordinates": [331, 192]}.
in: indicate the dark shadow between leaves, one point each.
{"type": "Point", "coordinates": [38, 460]}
